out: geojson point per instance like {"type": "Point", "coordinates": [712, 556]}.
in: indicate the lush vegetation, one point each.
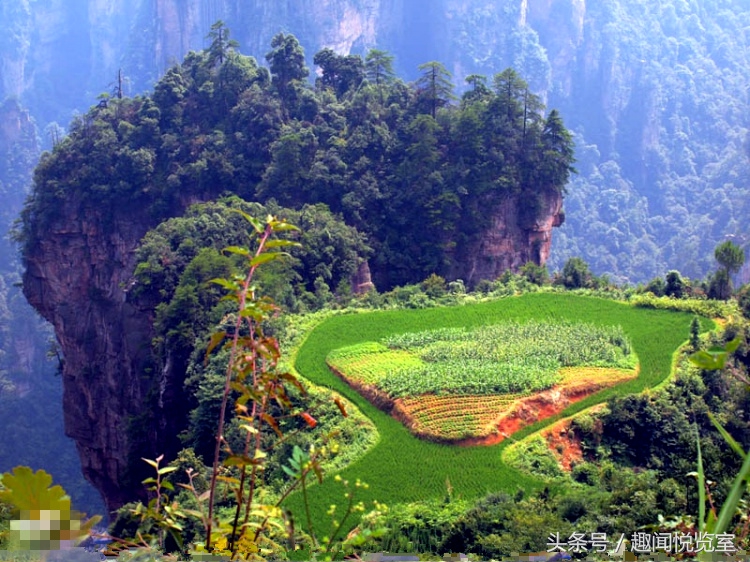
{"type": "Point", "coordinates": [374, 149]}
{"type": "Point", "coordinates": [175, 263]}
{"type": "Point", "coordinates": [500, 359]}
{"type": "Point", "coordinates": [378, 153]}
{"type": "Point", "coordinates": [599, 497]}
{"type": "Point", "coordinates": [402, 468]}
{"type": "Point", "coordinates": [655, 93]}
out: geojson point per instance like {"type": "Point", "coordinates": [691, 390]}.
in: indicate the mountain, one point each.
{"type": "Point", "coordinates": [468, 191]}
{"type": "Point", "coordinates": [655, 94]}
{"type": "Point", "coordinates": [655, 91]}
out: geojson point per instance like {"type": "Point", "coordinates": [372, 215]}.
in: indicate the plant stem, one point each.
{"type": "Point", "coordinates": [228, 379]}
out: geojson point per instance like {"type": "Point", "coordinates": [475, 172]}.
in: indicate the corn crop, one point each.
{"type": "Point", "coordinates": [498, 359]}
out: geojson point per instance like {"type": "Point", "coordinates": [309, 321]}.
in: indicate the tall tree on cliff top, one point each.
{"type": "Point", "coordinates": [435, 86]}
{"type": "Point", "coordinates": [379, 69]}
{"type": "Point", "coordinates": [511, 91]}
{"type": "Point", "coordinates": [557, 161]}
{"type": "Point", "coordinates": [287, 62]}
{"type": "Point", "coordinates": [221, 44]}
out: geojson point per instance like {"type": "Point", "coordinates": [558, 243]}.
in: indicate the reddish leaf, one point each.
{"type": "Point", "coordinates": [340, 406]}
{"type": "Point", "coordinates": [309, 420]}
{"type": "Point", "coordinates": [272, 422]}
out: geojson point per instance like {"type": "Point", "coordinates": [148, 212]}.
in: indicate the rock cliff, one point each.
{"type": "Point", "coordinates": [75, 278]}
{"type": "Point", "coordinates": [515, 237]}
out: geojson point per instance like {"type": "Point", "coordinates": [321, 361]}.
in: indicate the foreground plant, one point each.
{"type": "Point", "coordinates": [257, 525]}
{"type": "Point", "coordinates": [712, 524]}
{"type": "Point", "coordinates": [43, 519]}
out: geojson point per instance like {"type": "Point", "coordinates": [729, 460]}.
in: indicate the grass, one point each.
{"type": "Point", "coordinates": [403, 468]}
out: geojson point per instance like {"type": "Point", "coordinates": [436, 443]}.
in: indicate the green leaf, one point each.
{"type": "Point", "coordinates": [282, 226]}
{"type": "Point", "coordinates": [729, 507]}
{"type": "Point", "coordinates": [701, 485]}
{"type": "Point", "coordinates": [239, 250]}
{"type": "Point", "coordinates": [226, 283]}
{"type": "Point", "coordinates": [710, 361]}
{"type": "Point", "coordinates": [240, 460]}
{"type": "Point", "coordinates": [256, 224]}
{"type": "Point", "coordinates": [167, 469]}
{"type": "Point", "coordinates": [716, 357]}
{"type": "Point", "coordinates": [736, 447]}
{"type": "Point", "coordinates": [282, 244]}
{"type": "Point", "coordinates": [290, 472]}
{"type": "Point", "coordinates": [733, 345]}
{"type": "Point", "coordinates": [266, 257]}
{"type": "Point", "coordinates": [152, 463]}
{"type": "Point", "coordinates": [32, 491]}
{"type": "Point", "coordinates": [177, 536]}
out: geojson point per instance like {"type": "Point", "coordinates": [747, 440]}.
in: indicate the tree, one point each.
{"type": "Point", "coordinates": [720, 285]}
{"type": "Point", "coordinates": [557, 158]}
{"type": "Point", "coordinates": [576, 274]}
{"type": "Point", "coordinates": [731, 258]}
{"type": "Point", "coordinates": [379, 67]}
{"type": "Point", "coordinates": [340, 73]}
{"type": "Point", "coordinates": [221, 44]}
{"type": "Point", "coordinates": [479, 89]}
{"type": "Point", "coordinates": [534, 273]}
{"type": "Point", "coordinates": [695, 333]}
{"type": "Point", "coordinates": [675, 286]}
{"type": "Point", "coordinates": [287, 62]}
{"type": "Point", "coordinates": [379, 70]}
{"type": "Point", "coordinates": [511, 90]}
{"type": "Point", "coordinates": [656, 286]}
{"type": "Point", "coordinates": [435, 86]}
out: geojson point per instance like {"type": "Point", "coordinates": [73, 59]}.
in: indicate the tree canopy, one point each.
{"type": "Point", "coordinates": [416, 173]}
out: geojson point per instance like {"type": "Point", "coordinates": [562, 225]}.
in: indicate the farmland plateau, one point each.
{"type": "Point", "coordinates": [456, 383]}
{"type": "Point", "coordinates": [402, 467]}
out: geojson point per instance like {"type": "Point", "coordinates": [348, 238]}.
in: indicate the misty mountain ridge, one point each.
{"type": "Point", "coordinates": [654, 92]}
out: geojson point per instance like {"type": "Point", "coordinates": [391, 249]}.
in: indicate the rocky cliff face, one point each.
{"type": "Point", "coordinates": [513, 238]}
{"type": "Point", "coordinates": [77, 277]}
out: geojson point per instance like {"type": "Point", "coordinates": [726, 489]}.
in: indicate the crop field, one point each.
{"type": "Point", "coordinates": [451, 417]}
{"type": "Point", "coordinates": [401, 467]}
{"type": "Point", "coordinates": [498, 359]}
{"type": "Point", "coordinates": [487, 372]}
{"type": "Point", "coordinates": [455, 416]}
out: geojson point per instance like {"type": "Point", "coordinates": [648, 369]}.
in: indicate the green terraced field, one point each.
{"type": "Point", "coordinates": [402, 468]}
{"type": "Point", "coordinates": [504, 358]}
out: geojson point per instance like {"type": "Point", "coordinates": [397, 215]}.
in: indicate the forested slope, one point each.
{"type": "Point", "coordinates": [655, 91]}
{"type": "Point", "coordinates": [373, 170]}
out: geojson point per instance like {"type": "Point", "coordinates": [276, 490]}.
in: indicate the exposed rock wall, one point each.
{"type": "Point", "coordinates": [75, 278]}
{"type": "Point", "coordinates": [513, 239]}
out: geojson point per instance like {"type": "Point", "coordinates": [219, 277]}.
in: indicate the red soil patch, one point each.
{"type": "Point", "coordinates": [576, 385]}
{"type": "Point", "coordinates": [530, 410]}
{"type": "Point", "coordinates": [563, 444]}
